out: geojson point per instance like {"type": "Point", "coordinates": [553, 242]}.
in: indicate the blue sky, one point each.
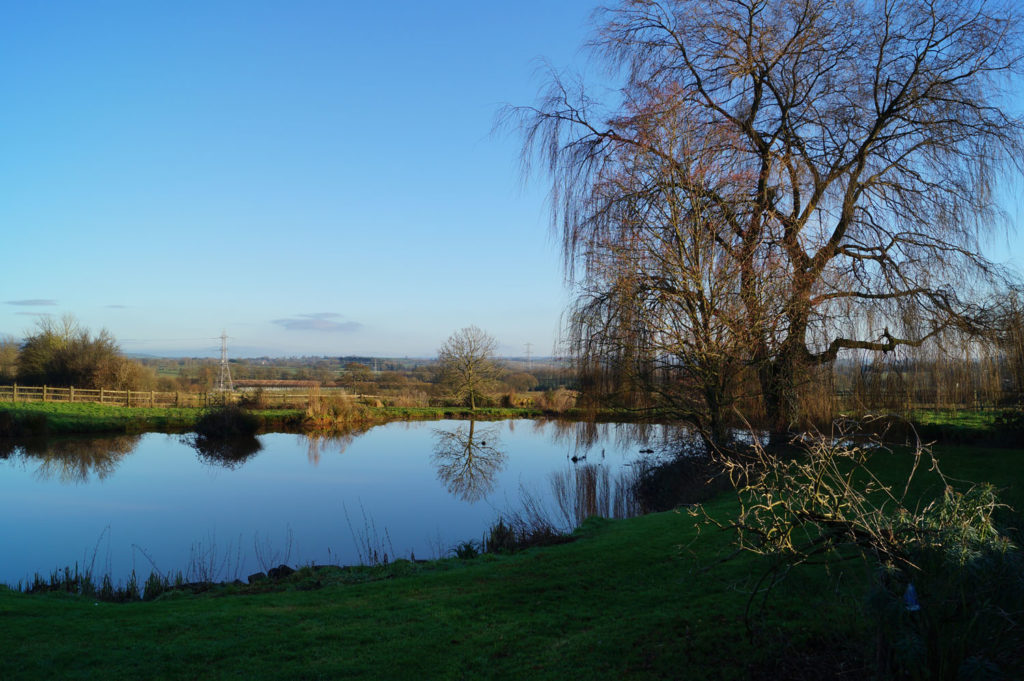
{"type": "Point", "coordinates": [310, 177]}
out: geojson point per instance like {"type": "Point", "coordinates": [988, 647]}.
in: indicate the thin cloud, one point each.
{"type": "Point", "coordinates": [33, 302]}
{"type": "Point", "coordinates": [116, 307]}
{"type": "Point", "coordinates": [318, 321]}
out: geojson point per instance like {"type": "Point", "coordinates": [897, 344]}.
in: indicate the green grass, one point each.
{"type": "Point", "coordinates": [969, 419]}
{"type": "Point", "coordinates": [82, 417]}
{"type": "Point", "coordinates": [622, 602]}
{"type": "Point", "coordinates": [85, 417]}
{"type": "Point", "coordinates": [978, 427]}
{"type": "Point", "coordinates": [635, 599]}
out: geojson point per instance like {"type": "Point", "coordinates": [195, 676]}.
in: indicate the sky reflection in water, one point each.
{"type": "Point", "coordinates": [135, 502]}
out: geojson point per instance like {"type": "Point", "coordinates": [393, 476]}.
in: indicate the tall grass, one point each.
{"type": "Point", "coordinates": [268, 555]}
{"type": "Point", "coordinates": [372, 547]}
{"type": "Point", "coordinates": [334, 411]}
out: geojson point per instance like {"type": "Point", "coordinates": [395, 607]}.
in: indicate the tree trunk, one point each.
{"type": "Point", "coordinates": [779, 379]}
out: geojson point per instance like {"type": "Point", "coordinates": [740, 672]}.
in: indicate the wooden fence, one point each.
{"type": "Point", "coordinates": [276, 398]}
{"type": "Point", "coordinates": [270, 399]}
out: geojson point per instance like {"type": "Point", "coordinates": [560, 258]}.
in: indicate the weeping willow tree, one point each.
{"type": "Point", "coordinates": [849, 156]}
{"type": "Point", "coordinates": [954, 370]}
{"type": "Point", "coordinates": [1011, 342]}
{"type": "Point", "coordinates": [657, 313]}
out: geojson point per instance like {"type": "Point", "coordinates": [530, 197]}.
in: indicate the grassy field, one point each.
{"type": "Point", "coordinates": [86, 417]}
{"type": "Point", "coordinates": [645, 598]}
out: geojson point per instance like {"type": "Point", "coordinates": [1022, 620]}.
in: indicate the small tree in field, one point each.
{"type": "Point", "coordinates": [61, 352]}
{"type": "Point", "coordinates": [467, 363]}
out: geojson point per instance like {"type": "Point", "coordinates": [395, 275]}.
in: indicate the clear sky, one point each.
{"type": "Point", "coordinates": [311, 177]}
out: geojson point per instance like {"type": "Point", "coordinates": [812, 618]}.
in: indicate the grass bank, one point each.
{"type": "Point", "coordinates": [62, 418]}
{"type": "Point", "coordinates": [989, 427]}
{"type": "Point", "coordinates": [624, 601]}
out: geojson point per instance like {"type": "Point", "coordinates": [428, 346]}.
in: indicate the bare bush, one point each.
{"type": "Point", "coordinates": [557, 401]}
{"type": "Point", "coordinates": [948, 585]}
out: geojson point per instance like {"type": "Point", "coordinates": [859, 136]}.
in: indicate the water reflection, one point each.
{"type": "Point", "coordinates": [580, 437]}
{"type": "Point", "coordinates": [468, 460]}
{"type": "Point", "coordinates": [416, 482]}
{"type": "Point", "coordinates": [319, 443]}
{"type": "Point", "coordinates": [73, 460]}
{"type": "Point", "coordinates": [590, 489]}
{"type": "Point", "coordinates": [227, 452]}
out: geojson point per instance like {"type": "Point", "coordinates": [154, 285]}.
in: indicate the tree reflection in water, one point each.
{"type": "Point", "coordinates": [468, 460]}
{"type": "Point", "coordinates": [338, 439]}
{"type": "Point", "coordinates": [583, 436]}
{"type": "Point", "coordinates": [75, 460]}
{"type": "Point", "coordinates": [591, 490]}
{"type": "Point", "coordinates": [227, 452]}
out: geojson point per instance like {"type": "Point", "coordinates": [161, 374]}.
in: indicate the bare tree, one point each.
{"type": "Point", "coordinates": [857, 146]}
{"type": "Point", "coordinates": [467, 363]}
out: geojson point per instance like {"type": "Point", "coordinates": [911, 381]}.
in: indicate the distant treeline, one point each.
{"type": "Point", "coordinates": [62, 354]}
{"type": "Point", "coordinates": [966, 374]}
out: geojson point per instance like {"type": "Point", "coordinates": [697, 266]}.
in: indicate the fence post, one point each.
{"type": "Point", "coordinates": [71, 394]}
{"type": "Point", "coordinates": [101, 395]}
{"type": "Point", "coordinates": [128, 397]}
{"type": "Point", "coordinates": [15, 392]}
{"type": "Point", "coordinates": [152, 398]}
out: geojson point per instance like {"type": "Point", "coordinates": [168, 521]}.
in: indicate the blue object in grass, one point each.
{"type": "Point", "coordinates": [910, 599]}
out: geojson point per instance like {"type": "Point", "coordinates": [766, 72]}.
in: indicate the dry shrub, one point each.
{"type": "Point", "coordinates": [254, 399]}
{"type": "Point", "coordinates": [513, 400]}
{"type": "Point", "coordinates": [948, 587]}
{"type": "Point", "coordinates": [558, 400]}
{"type": "Point", "coordinates": [226, 422]}
{"type": "Point", "coordinates": [331, 411]}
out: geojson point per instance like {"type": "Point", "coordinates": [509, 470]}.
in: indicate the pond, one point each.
{"type": "Point", "coordinates": [154, 502]}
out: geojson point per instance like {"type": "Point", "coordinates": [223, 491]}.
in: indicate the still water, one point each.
{"type": "Point", "coordinates": [155, 503]}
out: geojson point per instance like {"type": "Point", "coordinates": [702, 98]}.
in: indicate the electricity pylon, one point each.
{"type": "Point", "coordinates": [224, 378]}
